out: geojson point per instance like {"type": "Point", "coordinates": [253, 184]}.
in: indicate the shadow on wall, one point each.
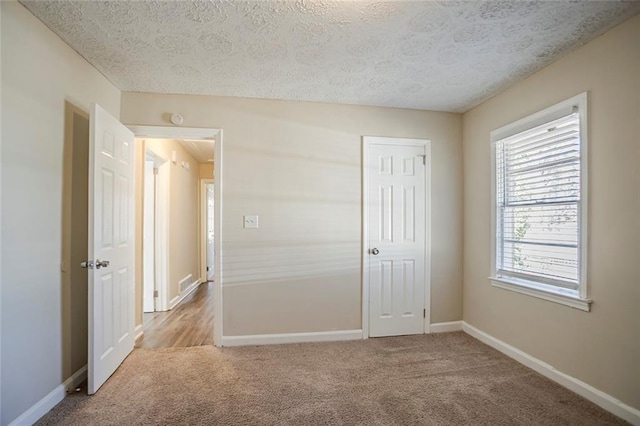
{"type": "Point", "coordinates": [258, 263]}
{"type": "Point", "coordinates": [75, 240]}
{"type": "Point", "coordinates": [321, 280]}
{"type": "Point", "coordinates": [304, 260]}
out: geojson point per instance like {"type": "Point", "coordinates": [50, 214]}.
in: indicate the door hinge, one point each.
{"type": "Point", "coordinates": [424, 159]}
{"type": "Point", "coordinates": [155, 293]}
{"type": "Point", "coordinates": [155, 170]}
{"type": "Point", "coordinates": [424, 313]}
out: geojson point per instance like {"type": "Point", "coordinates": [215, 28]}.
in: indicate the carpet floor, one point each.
{"type": "Point", "coordinates": [439, 379]}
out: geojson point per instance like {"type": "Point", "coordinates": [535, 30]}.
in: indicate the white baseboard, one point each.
{"type": "Point", "coordinates": [604, 400]}
{"type": "Point", "coordinates": [274, 339]}
{"type": "Point", "coordinates": [45, 405]}
{"type": "Point", "coordinates": [445, 327]}
{"type": "Point", "coordinates": [138, 331]}
{"type": "Point", "coordinates": [185, 293]}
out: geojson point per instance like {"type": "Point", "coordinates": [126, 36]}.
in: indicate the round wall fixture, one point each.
{"type": "Point", "coordinates": [176, 118]}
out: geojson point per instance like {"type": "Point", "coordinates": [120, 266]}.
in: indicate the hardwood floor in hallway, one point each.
{"type": "Point", "coordinates": [188, 324]}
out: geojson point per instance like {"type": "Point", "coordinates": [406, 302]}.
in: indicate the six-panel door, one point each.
{"type": "Point", "coordinates": [396, 194]}
{"type": "Point", "coordinates": [111, 239]}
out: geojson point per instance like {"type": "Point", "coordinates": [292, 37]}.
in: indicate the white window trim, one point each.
{"type": "Point", "coordinates": [542, 292]}
{"type": "Point", "coordinates": [530, 288]}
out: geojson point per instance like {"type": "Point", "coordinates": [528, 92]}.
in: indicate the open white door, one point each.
{"type": "Point", "coordinates": [111, 246]}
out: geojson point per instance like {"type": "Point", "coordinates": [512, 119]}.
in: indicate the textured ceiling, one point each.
{"type": "Point", "coordinates": [439, 55]}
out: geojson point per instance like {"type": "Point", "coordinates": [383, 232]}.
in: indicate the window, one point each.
{"type": "Point", "coordinates": [539, 201]}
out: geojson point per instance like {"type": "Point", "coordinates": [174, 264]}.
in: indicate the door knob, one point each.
{"type": "Point", "coordinates": [89, 264]}
{"type": "Point", "coordinates": [375, 251]}
{"type": "Point", "coordinates": [101, 263]}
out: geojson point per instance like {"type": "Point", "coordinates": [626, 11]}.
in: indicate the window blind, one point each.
{"type": "Point", "coordinates": [538, 203]}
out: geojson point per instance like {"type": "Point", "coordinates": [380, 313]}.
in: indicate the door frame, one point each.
{"type": "Point", "coordinates": [169, 132]}
{"type": "Point", "coordinates": [149, 230]}
{"type": "Point", "coordinates": [203, 226]}
{"type": "Point", "coordinates": [367, 141]}
{"type": "Point", "coordinates": [161, 230]}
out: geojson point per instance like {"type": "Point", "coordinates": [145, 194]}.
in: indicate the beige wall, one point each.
{"type": "Point", "coordinates": [601, 348]}
{"type": "Point", "coordinates": [206, 171]}
{"type": "Point", "coordinates": [40, 74]}
{"type": "Point", "coordinates": [297, 166]}
{"type": "Point", "coordinates": [183, 213]}
{"type": "Point", "coordinates": [184, 252]}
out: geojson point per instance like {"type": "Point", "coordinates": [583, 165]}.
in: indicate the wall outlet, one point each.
{"type": "Point", "coordinates": [250, 222]}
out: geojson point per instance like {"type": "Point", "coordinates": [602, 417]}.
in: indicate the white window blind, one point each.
{"type": "Point", "coordinates": [538, 204]}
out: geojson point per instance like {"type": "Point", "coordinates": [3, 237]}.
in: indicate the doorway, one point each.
{"type": "Point", "coordinates": [115, 290]}
{"type": "Point", "coordinates": [396, 236]}
{"type": "Point", "coordinates": [186, 135]}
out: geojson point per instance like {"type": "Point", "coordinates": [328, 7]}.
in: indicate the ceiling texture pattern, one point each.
{"type": "Point", "coordinates": [437, 55]}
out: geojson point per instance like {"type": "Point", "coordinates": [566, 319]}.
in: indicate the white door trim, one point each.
{"type": "Point", "coordinates": [173, 132]}
{"type": "Point", "coordinates": [217, 243]}
{"type": "Point", "coordinates": [366, 142]}
{"type": "Point", "coordinates": [161, 231]}
{"type": "Point", "coordinates": [203, 227]}
{"type": "Point", "coordinates": [427, 240]}
{"type": "Point", "coordinates": [167, 132]}
{"type": "Point", "coordinates": [149, 237]}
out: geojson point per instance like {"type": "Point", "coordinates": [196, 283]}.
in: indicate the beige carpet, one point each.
{"type": "Point", "coordinates": [442, 379]}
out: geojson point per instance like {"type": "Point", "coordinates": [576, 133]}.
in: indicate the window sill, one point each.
{"type": "Point", "coordinates": [545, 294]}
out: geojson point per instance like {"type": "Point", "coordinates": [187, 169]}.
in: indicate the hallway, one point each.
{"type": "Point", "coordinates": [188, 324]}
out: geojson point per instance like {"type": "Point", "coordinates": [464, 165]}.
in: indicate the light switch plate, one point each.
{"type": "Point", "coordinates": [250, 222]}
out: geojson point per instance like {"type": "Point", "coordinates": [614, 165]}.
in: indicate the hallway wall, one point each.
{"type": "Point", "coordinates": [184, 226]}
{"type": "Point", "coordinates": [206, 171]}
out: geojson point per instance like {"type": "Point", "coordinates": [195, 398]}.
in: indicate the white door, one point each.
{"type": "Point", "coordinates": [397, 235]}
{"type": "Point", "coordinates": [149, 238]}
{"type": "Point", "coordinates": [111, 239]}
{"type": "Point", "coordinates": [210, 233]}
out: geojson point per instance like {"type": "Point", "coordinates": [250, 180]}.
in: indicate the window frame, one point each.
{"type": "Point", "coordinates": [576, 299]}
